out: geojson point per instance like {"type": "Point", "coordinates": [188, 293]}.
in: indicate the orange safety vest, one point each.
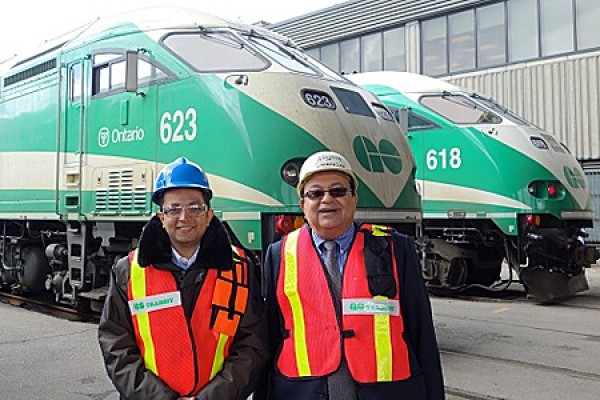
{"type": "Point", "coordinates": [186, 355]}
{"type": "Point", "coordinates": [371, 337]}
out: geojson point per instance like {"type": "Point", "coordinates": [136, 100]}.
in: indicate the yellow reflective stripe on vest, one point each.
{"type": "Point", "coordinates": [219, 355]}
{"type": "Point", "coordinates": [383, 344]}
{"type": "Point", "coordinates": [380, 230]}
{"type": "Point", "coordinates": [138, 291]}
{"type": "Point", "coordinates": [290, 288]}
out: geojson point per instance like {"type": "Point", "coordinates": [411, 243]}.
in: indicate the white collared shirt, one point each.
{"type": "Point", "coordinates": [181, 261]}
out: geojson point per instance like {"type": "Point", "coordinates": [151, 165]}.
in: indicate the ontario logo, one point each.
{"type": "Point", "coordinates": [105, 136]}
{"type": "Point", "coordinates": [376, 158]}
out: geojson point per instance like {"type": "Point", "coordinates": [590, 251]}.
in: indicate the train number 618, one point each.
{"type": "Point", "coordinates": [444, 158]}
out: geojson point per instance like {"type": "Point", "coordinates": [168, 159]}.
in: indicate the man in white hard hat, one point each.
{"type": "Point", "coordinates": [349, 315]}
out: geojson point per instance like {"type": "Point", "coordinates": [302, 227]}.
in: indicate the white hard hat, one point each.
{"type": "Point", "coordinates": [322, 162]}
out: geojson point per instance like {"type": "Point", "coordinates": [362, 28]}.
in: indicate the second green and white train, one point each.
{"type": "Point", "coordinates": [494, 187]}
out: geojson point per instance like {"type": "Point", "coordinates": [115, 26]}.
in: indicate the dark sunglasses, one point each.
{"type": "Point", "coordinates": [320, 193]}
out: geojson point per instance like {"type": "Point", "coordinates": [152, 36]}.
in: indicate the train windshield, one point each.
{"type": "Point", "coordinates": [503, 111]}
{"type": "Point", "coordinates": [279, 53]}
{"type": "Point", "coordinates": [214, 51]}
{"type": "Point", "coordinates": [460, 109]}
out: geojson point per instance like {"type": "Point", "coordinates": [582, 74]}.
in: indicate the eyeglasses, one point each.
{"type": "Point", "coordinates": [193, 210]}
{"type": "Point", "coordinates": [320, 193]}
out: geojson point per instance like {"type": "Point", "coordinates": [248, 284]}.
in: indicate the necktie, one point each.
{"type": "Point", "coordinates": [340, 384]}
{"type": "Point", "coordinates": [333, 268]}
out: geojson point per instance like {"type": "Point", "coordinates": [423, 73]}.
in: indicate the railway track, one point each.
{"type": "Point", "coordinates": [583, 301]}
{"type": "Point", "coordinates": [43, 304]}
{"type": "Point", "coordinates": [591, 376]}
{"type": "Point", "coordinates": [459, 394]}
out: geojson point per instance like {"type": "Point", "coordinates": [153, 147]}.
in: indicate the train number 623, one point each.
{"type": "Point", "coordinates": [178, 126]}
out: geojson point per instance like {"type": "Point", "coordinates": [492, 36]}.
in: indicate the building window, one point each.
{"type": "Point", "coordinates": [523, 34]}
{"type": "Point", "coordinates": [556, 22]}
{"type": "Point", "coordinates": [330, 56]}
{"type": "Point", "coordinates": [433, 46]}
{"type": "Point", "coordinates": [394, 50]}
{"type": "Point", "coordinates": [491, 34]}
{"type": "Point", "coordinates": [371, 58]}
{"type": "Point", "coordinates": [350, 56]}
{"type": "Point", "coordinates": [587, 14]}
{"type": "Point", "coordinates": [461, 34]}
{"type": "Point", "coordinates": [314, 53]}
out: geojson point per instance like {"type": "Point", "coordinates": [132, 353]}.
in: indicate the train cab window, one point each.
{"type": "Point", "coordinates": [460, 109]}
{"type": "Point", "coordinates": [501, 110]}
{"type": "Point", "coordinates": [280, 54]}
{"type": "Point", "coordinates": [215, 52]}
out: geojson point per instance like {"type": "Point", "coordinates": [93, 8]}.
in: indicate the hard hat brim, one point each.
{"type": "Point", "coordinates": [345, 171]}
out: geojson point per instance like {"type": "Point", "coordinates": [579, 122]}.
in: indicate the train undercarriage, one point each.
{"type": "Point", "coordinates": [547, 256]}
{"type": "Point", "coordinates": [72, 260]}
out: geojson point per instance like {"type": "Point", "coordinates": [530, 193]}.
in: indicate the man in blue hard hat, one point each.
{"type": "Point", "coordinates": [183, 318]}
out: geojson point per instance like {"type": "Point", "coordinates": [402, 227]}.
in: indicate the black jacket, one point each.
{"type": "Point", "coordinates": [248, 353]}
{"type": "Point", "coordinates": [426, 381]}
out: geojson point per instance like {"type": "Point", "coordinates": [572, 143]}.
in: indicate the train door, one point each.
{"type": "Point", "coordinates": [76, 99]}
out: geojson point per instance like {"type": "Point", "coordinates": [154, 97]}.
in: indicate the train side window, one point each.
{"type": "Point", "coordinates": [110, 69]}
{"type": "Point", "coordinates": [215, 52]}
{"type": "Point", "coordinates": [105, 75]}
{"type": "Point", "coordinates": [75, 88]}
{"type": "Point", "coordinates": [117, 75]}
{"type": "Point", "coordinates": [417, 122]}
{"type": "Point", "coordinates": [149, 73]}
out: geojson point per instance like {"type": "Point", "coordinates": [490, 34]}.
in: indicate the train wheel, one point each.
{"type": "Point", "coordinates": [459, 272]}
{"type": "Point", "coordinates": [35, 268]}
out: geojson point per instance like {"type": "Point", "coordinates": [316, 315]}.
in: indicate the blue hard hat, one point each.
{"type": "Point", "coordinates": [181, 173]}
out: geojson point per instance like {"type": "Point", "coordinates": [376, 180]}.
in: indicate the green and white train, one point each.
{"type": "Point", "coordinates": [88, 121]}
{"type": "Point", "coordinates": [495, 187]}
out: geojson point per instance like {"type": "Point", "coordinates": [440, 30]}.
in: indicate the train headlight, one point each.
{"type": "Point", "coordinates": [291, 171]}
{"type": "Point", "coordinates": [553, 190]}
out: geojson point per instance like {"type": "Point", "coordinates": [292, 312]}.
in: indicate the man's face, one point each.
{"type": "Point", "coordinates": [329, 216]}
{"type": "Point", "coordinates": [184, 229]}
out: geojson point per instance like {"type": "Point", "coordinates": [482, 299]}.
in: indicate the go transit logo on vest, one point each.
{"type": "Point", "coordinates": [574, 177]}
{"type": "Point", "coordinates": [373, 158]}
{"type": "Point", "coordinates": [154, 303]}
